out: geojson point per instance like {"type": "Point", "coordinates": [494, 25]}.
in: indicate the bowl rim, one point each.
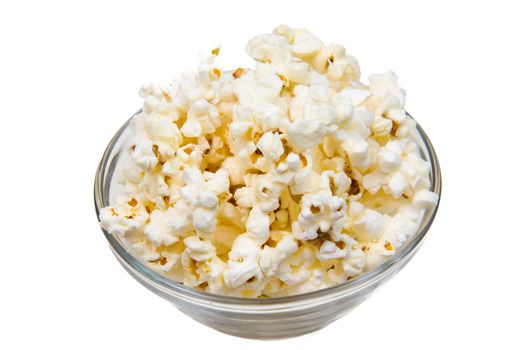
{"type": "Point", "coordinates": [179, 290]}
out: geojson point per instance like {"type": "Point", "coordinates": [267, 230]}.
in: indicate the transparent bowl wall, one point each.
{"type": "Point", "coordinates": [267, 318]}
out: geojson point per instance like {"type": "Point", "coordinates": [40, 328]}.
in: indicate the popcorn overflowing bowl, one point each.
{"type": "Point", "coordinates": [268, 202]}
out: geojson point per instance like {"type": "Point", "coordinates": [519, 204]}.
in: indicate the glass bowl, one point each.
{"type": "Point", "coordinates": [264, 318]}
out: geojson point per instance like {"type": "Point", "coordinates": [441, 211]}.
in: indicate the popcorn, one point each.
{"type": "Point", "coordinates": [271, 146]}
{"type": "Point", "coordinates": [297, 268]}
{"type": "Point", "coordinates": [316, 279]}
{"type": "Point", "coordinates": [320, 213]}
{"type": "Point", "coordinates": [199, 199]}
{"type": "Point", "coordinates": [214, 270]}
{"type": "Point", "coordinates": [306, 134]}
{"type": "Point", "coordinates": [424, 199]}
{"type": "Point", "coordinates": [276, 180]}
{"type": "Point", "coordinates": [169, 260]}
{"type": "Point", "coordinates": [388, 161]}
{"type": "Point", "coordinates": [271, 258]}
{"type": "Point", "coordinates": [397, 185]}
{"type": "Point", "coordinates": [128, 216]}
{"type": "Point", "coordinates": [343, 72]}
{"type": "Point", "coordinates": [367, 224]}
{"type": "Point", "coordinates": [147, 251]}
{"type": "Point", "coordinates": [305, 44]}
{"type": "Point", "coordinates": [160, 230]}
{"type": "Point", "coordinates": [199, 250]}
{"type": "Point", "coordinates": [116, 224]}
{"type": "Point", "coordinates": [267, 192]}
{"type": "Point", "coordinates": [401, 226]}
{"type": "Point", "coordinates": [236, 168]}
{"type": "Point", "coordinates": [354, 262]}
{"type": "Point", "coordinates": [144, 155]}
{"type": "Point", "coordinates": [243, 263]}
{"type": "Point", "coordinates": [203, 118]}
{"type": "Point", "coordinates": [161, 128]}
{"type": "Point", "coordinates": [329, 250]}
{"type": "Point", "coordinates": [401, 171]}
{"type": "Point", "coordinates": [358, 153]}
{"type": "Point", "coordinates": [386, 93]}
{"type": "Point", "coordinates": [258, 225]}
{"type": "Point", "coordinates": [382, 126]}
{"type": "Point", "coordinates": [245, 197]}
{"type": "Point", "coordinates": [224, 236]}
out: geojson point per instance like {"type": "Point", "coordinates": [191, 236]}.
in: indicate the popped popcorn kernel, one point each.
{"type": "Point", "coordinates": [280, 179]}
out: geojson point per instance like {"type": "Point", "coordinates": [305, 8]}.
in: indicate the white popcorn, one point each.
{"type": "Point", "coordinates": [117, 223]}
{"type": "Point", "coordinates": [143, 154]}
{"type": "Point", "coordinates": [315, 280]}
{"type": "Point", "coordinates": [270, 117]}
{"type": "Point", "coordinates": [295, 171]}
{"type": "Point", "coordinates": [271, 146]}
{"type": "Point", "coordinates": [400, 171]}
{"type": "Point", "coordinates": [193, 275]}
{"type": "Point", "coordinates": [281, 179]}
{"type": "Point", "coordinates": [199, 250]}
{"type": "Point", "coordinates": [401, 226]}
{"type": "Point", "coordinates": [306, 134]}
{"type": "Point", "coordinates": [293, 275]}
{"type": "Point", "coordinates": [224, 236]}
{"type": "Point", "coordinates": [214, 269]}
{"type": "Point", "coordinates": [160, 230]}
{"type": "Point", "coordinates": [243, 263]}
{"type": "Point", "coordinates": [277, 49]}
{"type": "Point", "coordinates": [305, 44]}
{"type": "Point", "coordinates": [316, 114]}
{"type": "Point", "coordinates": [297, 268]}
{"type": "Point", "coordinates": [424, 199]}
{"type": "Point", "coordinates": [345, 260]}
{"type": "Point", "coordinates": [258, 225]}
{"type": "Point", "coordinates": [236, 168]}
{"type": "Point", "coordinates": [130, 176]}
{"type": "Point", "coordinates": [354, 262]}
{"type": "Point", "coordinates": [200, 195]}
{"type": "Point", "coordinates": [255, 89]}
{"type": "Point", "coordinates": [358, 152]}
{"type": "Point", "coordinates": [271, 258]}
{"type": "Point", "coordinates": [329, 250]}
{"type": "Point", "coordinates": [397, 185]}
{"type": "Point", "coordinates": [190, 155]}
{"type": "Point", "coordinates": [162, 129]}
{"type": "Point", "coordinates": [366, 223]}
{"type": "Point", "coordinates": [147, 251]}
{"type": "Point", "coordinates": [357, 95]}
{"type": "Point", "coordinates": [386, 93]}
{"type": "Point", "coordinates": [267, 192]}
{"type": "Point", "coordinates": [398, 115]}
{"type": "Point", "coordinates": [373, 181]}
{"type": "Point", "coordinates": [267, 47]}
{"type": "Point", "coordinates": [369, 225]}
{"type": "Point", "coordinates": [127, 216]}
{"type": "Point", "coordinates": [203, 118]}
{"type": "Point", "coordinates": [388, 161]}
{"type": "Point", "coordinates": [182, 218]}
{"type": "Point", "coordinates": [245, 197]}
{"type": "Point", "coordinates": [343, 72]}
{"type": "Point", "coordinates": [382, 126]}
{"type": "Point", "coordinates": [320, 213]}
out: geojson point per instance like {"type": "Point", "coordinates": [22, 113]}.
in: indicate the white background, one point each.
{"type": "Point", "coordinates": [69, 77]}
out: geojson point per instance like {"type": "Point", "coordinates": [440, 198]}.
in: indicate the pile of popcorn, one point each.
{"type": "Point", "coordinates": [283, 179]}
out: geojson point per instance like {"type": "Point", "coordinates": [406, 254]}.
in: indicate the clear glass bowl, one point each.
{"type": "Point", "coordinates": [266, 318]}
